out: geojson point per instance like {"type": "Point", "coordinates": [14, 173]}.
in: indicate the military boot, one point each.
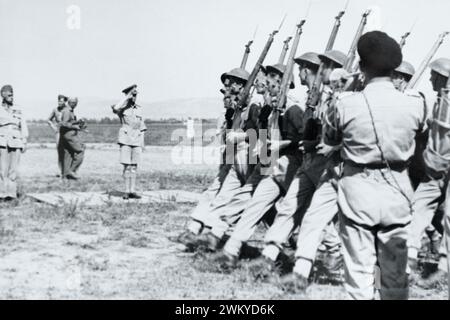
{"type": "Point", "coordinates": [437, 279]}
{"type": "Point", "coordinates": [263, 268]}
{"type": "Point", "coordinates": [294, 283]}
{"type": "Point", "coordinates": [208, 242]}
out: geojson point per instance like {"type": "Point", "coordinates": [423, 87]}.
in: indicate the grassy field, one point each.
{"type": "Point", "coordinates": [121, 251]}
{"type": "Point", "coordinates": [158, 134]}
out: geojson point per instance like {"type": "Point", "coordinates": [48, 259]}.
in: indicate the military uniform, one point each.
{"type": "Point", "coordinates": [13, 138]}
{"type": "Point", "coordinates": [201, 215]}
{"type": "Point", "coordinates": [298, 197]}
{"type": "Point", "coordinates": [377, 128]}
{"type": "Point", "coordinates": [130, 140]}
{"type": "Point", "coordinates": [70, 143]}
{"type": "Point", "coordinates": [54, 120]}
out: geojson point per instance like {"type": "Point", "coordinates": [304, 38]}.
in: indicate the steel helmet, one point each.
{"type": "Point", "coordinates": [236, 73]}
{"type": "Point", "coordinates": [441, 66]}
{"type": "Point", "coordinates": [280, 69]}
{"type": "Point", "coordinates": [336, 56]}
{"type": "Point", "coordinates": [406, 68]}
{"type": "Point", "coordinates": [309, 57]}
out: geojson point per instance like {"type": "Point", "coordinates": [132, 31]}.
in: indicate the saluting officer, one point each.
{"type": "Point", "coordinates": [131, 138]}
{"type": "Point", "coordinates": [377, 129]}
{"type": "Point", "coordinates": [13, 141]}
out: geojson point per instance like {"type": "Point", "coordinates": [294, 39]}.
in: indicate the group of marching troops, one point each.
{"type": "Point", "coordinates": [359, 170]}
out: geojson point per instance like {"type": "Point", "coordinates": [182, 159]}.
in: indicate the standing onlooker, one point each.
{"type": "Point", "coordinates": [13, 140]}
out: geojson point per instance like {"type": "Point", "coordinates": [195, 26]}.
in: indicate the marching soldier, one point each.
{"type": "Point", "coordinates": [303, 186]}
{"type": "Point", "coordinates": [402, 75]}
{"type": "Point", "coordinates": [234, 82]}
{"type": "Point", "coordinates": [73, 148]}
{"type": "Point", "coordinates": [273, 187]}
{"type": "Point", "coordinates": [53, 121]}
{"type": "Point", "coordinates": [377, 128]}
{"type": "Point", "coordinates": [131, 138]}
{"type": "Point", "coordinates": [229, 212]}
{"type": "Point", "coordinates": [431, 192]}
{"type": "Point", "coordinates": [13, 141]}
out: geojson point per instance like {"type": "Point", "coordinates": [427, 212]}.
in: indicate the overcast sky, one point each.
{"type": "Point", "coordinates": [177, 49]}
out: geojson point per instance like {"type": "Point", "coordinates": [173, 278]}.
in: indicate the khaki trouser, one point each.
{"type": "Point", "coordinates": [9, 163]}
{"type": "Point", "coordinates": [373, 222]}
{"type": "Point", "coordinates": [232, 199]}
{"type": "Point", "coordinates": [427, 198]}
{"type": "Point", "coordinates": [447, 239]}
{"type": "Point", "coordinates": [290, 212]}
{"type": "Point", "coordinates": [317, 226]}
{"type": "Point", "coordinates": [200, 216]}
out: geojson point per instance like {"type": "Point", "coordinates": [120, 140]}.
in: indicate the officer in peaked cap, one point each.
{"type": "Point", "coordinates": [131, 138]}
{"type": "Point", "coordinates": [402, 75]}
{"type": "Point", "coordinates": [372, 231]}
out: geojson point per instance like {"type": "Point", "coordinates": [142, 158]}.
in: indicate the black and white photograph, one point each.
{"type": "Point", "coordinates": [236, 151]}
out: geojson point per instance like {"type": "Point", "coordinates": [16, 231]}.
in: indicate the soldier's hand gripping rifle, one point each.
{"type": "Point", "coordinates": [314, 92]}
{"type": "Point", "coordinates": [244, 96]}
{"type": "Point", "coordinates": [416, 77]}
{"type": "Point", "coordinates": [285, 83]}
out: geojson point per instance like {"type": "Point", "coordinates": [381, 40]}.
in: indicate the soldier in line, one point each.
{"type": "Point", "coordinates": [431, 192]}
{"type": "Point", "coordinates": [70, 143]}
{"type": "Point", "coordinates": [302, 188]}
{"type": "Point", "coordinates": [131, 138]}
{"type": "Point", "coordinates": [375, 163]}
{"type": "Point", "coordinates": [13, 141]}
{"type": "Point", "coordinates": [233, 82]}
{"type": "Point", "coordinates": [53, 121]}
{"type": "Point", "coordinates": [230, 212]}
{"type": "Point", "coordinates": [274, 186]}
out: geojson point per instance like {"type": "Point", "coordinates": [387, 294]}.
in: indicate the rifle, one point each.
{"type": "Point", "coordinates": [406, 35]}
{"type": "Point", "coordinates": [352, 51]}
{"type": "Point", "coordinates": [403, 39]}
{"type": "Point", "coordinates": [314, 92]}
{"type": "Point", "coordinates": [285, 82]}
{"type": "Point", "coordinates": [416, 77]}
{"type": "Point", "coordinates": [246, 53]}
{"type": "Point", "coordinates": [244, 96]}
{"type": "Point", "coordinates": [284, 50]}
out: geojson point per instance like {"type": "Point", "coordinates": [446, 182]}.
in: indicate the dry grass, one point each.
{"type": "Point", "coordinates": [119, 251]}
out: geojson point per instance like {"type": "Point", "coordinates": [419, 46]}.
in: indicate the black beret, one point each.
{"type": "Point", "coordinates": [128, 89]}
{"type": "Point", "coordinates": [379, 52]}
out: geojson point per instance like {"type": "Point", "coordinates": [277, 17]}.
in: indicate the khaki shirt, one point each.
{"type": "Point", "coordinates": [398, 118]}
{"type": "Point", "coordinates": [13, 127]}
{"type": "Point", "coordinates": [133, 126]}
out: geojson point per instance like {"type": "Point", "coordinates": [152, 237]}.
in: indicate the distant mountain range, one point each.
{"type": "Point", "coordinates": [205, 108]}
